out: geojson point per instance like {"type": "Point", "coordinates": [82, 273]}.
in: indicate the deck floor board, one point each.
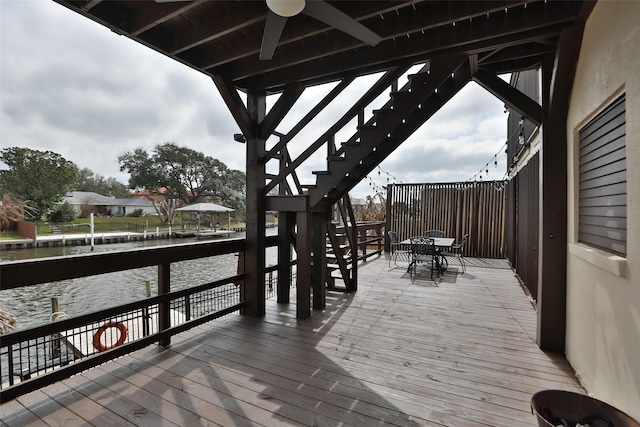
{"type": "Point", "coordinates": [402, 350]}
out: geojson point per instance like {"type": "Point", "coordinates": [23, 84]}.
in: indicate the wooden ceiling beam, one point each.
{"type": "Point", "coordinates": [564, 67]}
{"type": "Point", "coordinates": [280, 110]}
{"type": "Point", "coordinates": [522, 51]}
{"type": "Point", "coordinates": [470, 37]}
{"type": "Point", "coordinates": [235, 105]}
{"type": "Point", "coordinates": [152, 15]}
{"type": "Point", "coordinates": [222, 38]}
{"type": "Point", "coordinates": [392, 20]}
{"type": "Point", "coordinates": [510, 95]}
{"type": "Point", "coordinates": [222, 25]}
{"type": "Point", "coordinates": [371, 60]}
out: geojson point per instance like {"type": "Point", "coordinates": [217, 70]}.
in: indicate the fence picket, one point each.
{"type": "Point", "coordinates": [474, 208]}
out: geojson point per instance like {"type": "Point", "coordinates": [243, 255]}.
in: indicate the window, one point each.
{"type": "Point", "coordinates": [602, 213]}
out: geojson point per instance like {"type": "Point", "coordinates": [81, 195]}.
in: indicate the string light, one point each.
{"type": "Point", "coordinates": [521, 141]}
{"type": "Point", "coordinates": [485, 168]}
{"type": "Point", "coordinates": [381, 188]}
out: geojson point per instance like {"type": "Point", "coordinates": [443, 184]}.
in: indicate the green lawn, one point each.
{"type": "Point", "coordinates": [111, 224]}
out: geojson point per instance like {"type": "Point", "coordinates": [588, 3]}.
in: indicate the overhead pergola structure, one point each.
{"type": "Point", "coordinates": [451, 42]}
{"type": "Point", "coordinates": [200, 208]}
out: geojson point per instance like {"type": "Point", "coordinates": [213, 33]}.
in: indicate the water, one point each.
{"type": "Point", "coordinates": [31, 305]}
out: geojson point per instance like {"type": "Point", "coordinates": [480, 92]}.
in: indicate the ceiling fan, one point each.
{"type": "Point", "coordinates": [281, 10]}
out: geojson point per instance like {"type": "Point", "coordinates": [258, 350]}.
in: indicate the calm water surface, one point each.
{"type": "Point", "coordinates": [31, 305]}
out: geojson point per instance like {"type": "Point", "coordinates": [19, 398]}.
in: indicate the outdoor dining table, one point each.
{"type": "Point", "coordinates": [441, 243]}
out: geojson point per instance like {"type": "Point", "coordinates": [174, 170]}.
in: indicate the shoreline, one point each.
{"type": "Point", "coordinates": [84, 239]}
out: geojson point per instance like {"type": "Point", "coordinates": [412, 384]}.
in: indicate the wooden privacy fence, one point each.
{"type": "Point", "coordinates": [459, 208]}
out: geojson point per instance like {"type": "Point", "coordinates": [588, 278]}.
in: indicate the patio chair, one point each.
{"type": "Point", "coordinates": [395, 248]}
{"type": "Point", "coordinates": [423, 250]}
{"type": "Point", "coordinates": [434, 233]}
{"type": "Point", "coordinates": [457, 250]}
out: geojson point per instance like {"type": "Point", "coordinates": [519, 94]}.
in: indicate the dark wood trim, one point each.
{"type": "Point", "coordinates": [319, 268]}
{"type": "Point", "coordinates": [287, 203]}
{"type": "Point", "coordinates": [567, 53]}
{"type": "Point", "coordinates": [255, 217]}
{"type": "Point", "coordinates": [381, 85]}
{"type": "Point", "coordinates": [16, 274]}
{"type": "Point", "coordinates": [536, 23]}
{"type": "Point", "coordinates": [308, 117]}
{"type": "Point", "coordinates": [552, 254]}
{"type": "Point", "coordinates": [164, 307]}
{"type": "Point", "coordinates": [280, 110]}
{"type": "Point", "coordinates": [510, 95]}
{"type": "Point", "coordinates": [303, 276]}
{"type": "Point", "coordinates": [286, 224]}
{"type": "Point", "coordinates": [235, 105]}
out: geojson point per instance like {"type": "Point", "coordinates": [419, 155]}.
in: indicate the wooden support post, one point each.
{"type": "Point", "coordinates": [286, 222]}
{"type": "Point", "coordinates": [319, 270]}
{"type": "Point", "coordinates": [255, 221]}
{"type": "Point", "coordinates": [55, 316]}
{"type": "Point", "coordinates": [552, 253]}
{"type": "Point", "coordinates": [387, 219]}
{"type": "Point", "coordinates": [353, 237]}
{"type": "Point", "coordinates": [241, 283]}
{"type": "Point", "coordinates": [303, 278]}
{"type": "Point", "coordinates": [164, 308]}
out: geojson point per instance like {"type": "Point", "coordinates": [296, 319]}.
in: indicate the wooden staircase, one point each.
{"type": "Point", "coordinates": [342, 249]}
{"type": "Point", "coordinates": [407, 109]}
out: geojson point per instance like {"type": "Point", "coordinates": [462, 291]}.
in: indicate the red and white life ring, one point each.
{"type": "Point", "coordinates": [97, 343]}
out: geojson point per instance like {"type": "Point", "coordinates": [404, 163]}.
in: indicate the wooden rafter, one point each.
{"type": "Point", "coordinates": [510, 95]}
{"type": "Point", "coordinates": [235, 105]}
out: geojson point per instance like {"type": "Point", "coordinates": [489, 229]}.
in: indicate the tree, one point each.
{"type": "Point", "coordinates": [39, 177]}
{"type": "Point", "coordinates": [182, 174]}
{"type": "Point", "coordinates": [372, 210]}
{"type": "Point", "coordinates": [88, 181]}
{"type": "Point", "coordinates": [63, 212]}
{"type": "Point", "coordinates": [12, 211]}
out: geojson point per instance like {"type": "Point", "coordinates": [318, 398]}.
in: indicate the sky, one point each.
{"type": "Point", "coordinates": [71, 86]}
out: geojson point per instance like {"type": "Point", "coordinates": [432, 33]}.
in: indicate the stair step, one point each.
{"type": "Point", "coordinates": [335, 267]}
{"type": "Point", "coordinates": [333, 256]}
{"type": "Point", "coordinates": [321, 172]}
{"type": "Point", "coordinates": [354, 142]}
{"type": "Point", "coordinates": [406, 101]}
{"type": "Point", "coordinates": [419, 79]}
{"type": "Point", "coordinates": [330, 248]}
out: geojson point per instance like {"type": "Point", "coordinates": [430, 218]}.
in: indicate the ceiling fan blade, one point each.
{"type": "Point", "coordinates": [324, 12]}
{"type": "Point", "coordinates": [271, 36]}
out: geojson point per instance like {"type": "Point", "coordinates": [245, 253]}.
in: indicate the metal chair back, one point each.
{"type": "Point", "coordinates": [434, 233]}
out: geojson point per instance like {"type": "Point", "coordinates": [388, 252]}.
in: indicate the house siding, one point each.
{"type": "Point", "coordinates": [603, 287]}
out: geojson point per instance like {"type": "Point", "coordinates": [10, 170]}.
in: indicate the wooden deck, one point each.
{"type": "Point", "coordinates": [458, 352]}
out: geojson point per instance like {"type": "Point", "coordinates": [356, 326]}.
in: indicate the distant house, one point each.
{"type": "Point", "coordinates": [107, 206]}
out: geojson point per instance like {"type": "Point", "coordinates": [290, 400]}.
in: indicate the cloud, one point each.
{"type": "Point", "coordinates": [72, 86]}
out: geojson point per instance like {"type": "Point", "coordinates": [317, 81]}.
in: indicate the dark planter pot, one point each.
{"type": "Point", "coordinates": [556, 407]}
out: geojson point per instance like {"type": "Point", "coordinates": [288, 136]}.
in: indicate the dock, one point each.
{"type": "Point", "coordinates": [77, 239]}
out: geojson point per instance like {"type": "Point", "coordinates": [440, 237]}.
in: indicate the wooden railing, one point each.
{"type": "Point", "coordinates": [33, 358]}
